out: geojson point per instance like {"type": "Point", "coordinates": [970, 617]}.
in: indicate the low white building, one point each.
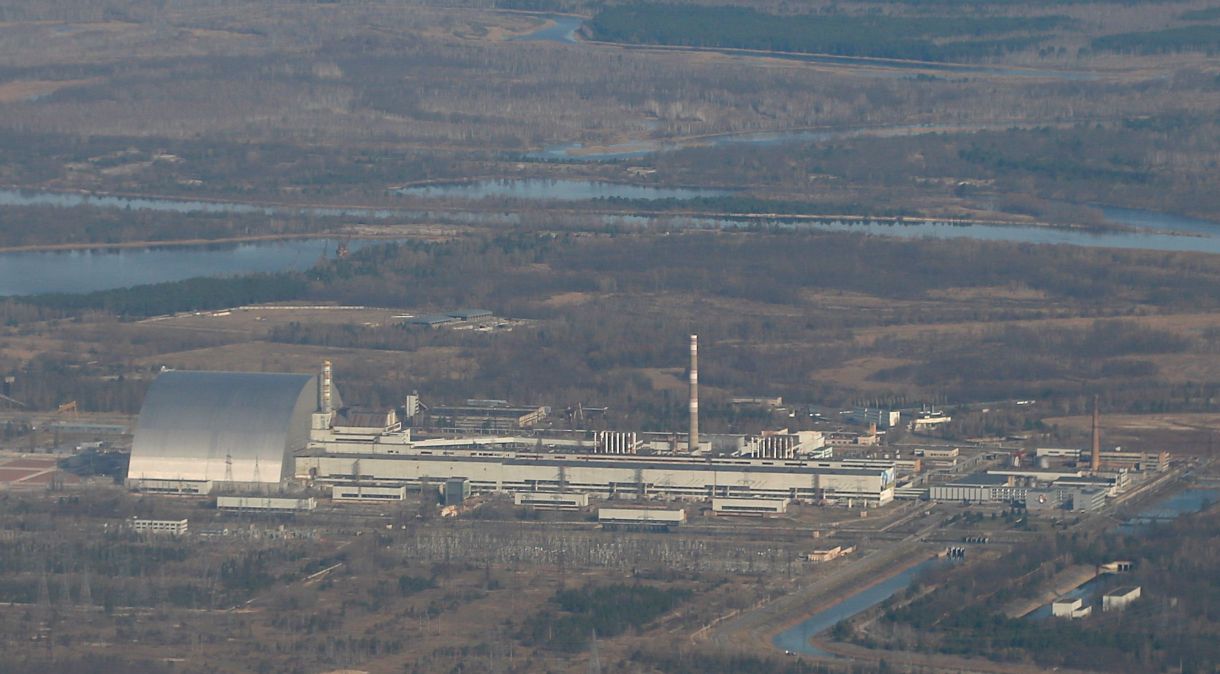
{"type": "Point", "coordinates": [646, 518]}
{"type": "Point", "coordinates": [551, 500]}
{"type": "Point", "coordinates": [171, 527]}
{"type": "Point", "coordinates": [1070, 608]}
{"type": "Point", "coordinates": [1120, 598]}
{"type": "Point", "coordinates": [265, 504]}
{"type": "Point", "coordinates": [749, 506]}
{"type": "Point", "coordinates": [367, 494]}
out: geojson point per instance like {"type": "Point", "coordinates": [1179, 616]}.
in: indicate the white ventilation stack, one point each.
{"type": "Point", "coordinates": [326, 386]}
{"type": "Point", "coordinates": [692, 444]}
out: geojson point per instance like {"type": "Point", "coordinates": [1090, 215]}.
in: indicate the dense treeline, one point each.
{"type": "Point", "coordinates": [80, 225]}
{"type": "Point", "coordinates": [1174, 624]}
{"type": "Point", "coordinates": [1168, 41]}
{"type": "Point", "coordinates": [702, 662]}
{"type": "Point", "coordinates": [189, 295]}
{"type": "Point", "coordinates": [931, 38]}
{"type": "Point", "coordinates": [606, 611]}
{"type": "Point", "coordinates": [605, 315]}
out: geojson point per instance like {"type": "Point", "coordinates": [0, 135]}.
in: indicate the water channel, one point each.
{"type": "Point", "coordinates": [85, 271]}
{"type": "Point", "coordinates": [797, 638]}
{"type": "Point", "coordinates": [78, 271]}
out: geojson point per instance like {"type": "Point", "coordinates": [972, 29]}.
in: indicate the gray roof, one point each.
{"type": "Point", "coordinates": [980, 480]}
{"type": "Point", "coordinates": [194, 425]}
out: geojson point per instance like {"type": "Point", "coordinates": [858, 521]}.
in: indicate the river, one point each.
{"type": "Point", "coordinates": [78, 271]}
{"type": "Point", "coordinates": [35, 272]}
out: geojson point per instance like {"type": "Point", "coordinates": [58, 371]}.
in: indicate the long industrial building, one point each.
{"type": "Point", "coordinates": [199, 430]}
{"type": "Point", "coordinates": [605, 475]}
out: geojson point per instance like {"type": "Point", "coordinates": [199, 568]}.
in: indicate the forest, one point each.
{"type": "Point", "coordinates": [916, 37]}
{"type": "Point", "coordinates": [835, 318]}
{"type": "Point", "coordinates": [1173, 625]}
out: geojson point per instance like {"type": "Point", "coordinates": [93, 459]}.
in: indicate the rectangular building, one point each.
{"type": "Point", "coordinates": [641, 518]}
{"type": "Point", "coordinates": [1120, 598]}
{"type": "Point", "coordinates": [265, 504]}
{"type": "Point", "coordinates": [871, 415]}
{"type": "Point", "coordinates": [367, 494]}
{"type": "Point", "coordinates": [612, 475]}
{"type": "Point", "coordinates": [178, 487]}
{"type": "Point", "coordinates": [749, 506]}
{"type": "Point", "coordinates": [171, 527]}
{"type": "Point", "coordinates": [551, 501]}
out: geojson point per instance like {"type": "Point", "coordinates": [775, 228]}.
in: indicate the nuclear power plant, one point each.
{"type": "Point", "coordinates": [266, 434]}
{"type": "Point", "coordinates": [204, 431]}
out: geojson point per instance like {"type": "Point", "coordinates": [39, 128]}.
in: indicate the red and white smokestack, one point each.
{"type": "Point", "coordinates": [1095, 462]}
{"type": "Point", "coordinates": [692, 443]}
{"type": "Point", "coordinates": [326, 386]}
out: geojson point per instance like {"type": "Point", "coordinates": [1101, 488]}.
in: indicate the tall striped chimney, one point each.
{"type": "Point", "coordinates": [692, 443]}
{"type": "Point", "coordinates": [1095, 463]}
{"type": "Point", "coordinates": [326, 384]}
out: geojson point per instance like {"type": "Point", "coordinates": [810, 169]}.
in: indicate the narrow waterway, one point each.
{"type": "Point", "coordinates": [85, 271]}
{"type": "Point", "coordinates": [796, 639]}
{"type": "Point", "coordinates": [82, 271]}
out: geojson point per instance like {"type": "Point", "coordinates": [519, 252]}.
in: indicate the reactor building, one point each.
{"type": "Point", "coordinates": [201, 430]}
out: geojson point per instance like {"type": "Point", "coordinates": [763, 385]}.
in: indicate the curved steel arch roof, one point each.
{"type": "Point", "coordinates": [193, 425]}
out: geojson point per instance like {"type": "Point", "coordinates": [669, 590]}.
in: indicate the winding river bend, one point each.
{"type": "Point", "coordinates": [84, 271]}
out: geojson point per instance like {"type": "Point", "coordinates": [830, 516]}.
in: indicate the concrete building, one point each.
{"type": "Point", "coordinates": [640, 518]}
{"type": "Point", "coordinates": [609, 476]}
{"type": "Point", "coordinates": [929, 421]}
{"type": "Point", "coordinates": [980, 488]}
{"type": "Point", "coordinates": [871, 415]}
{"type": "Point", "coordinates": [1120, 598]}
{"type": "Point", "coordinates": [749, 506]}
{"type": "Point", "coordinates": [1087, 500]}
{"type": "Point", "coordinates": [455, 491]}
{"type": "Point", "coordinates": [551, 501]}
{"type": "Point", "coordinates": [264, 504]}
{"type": "Point", "coordinates": [171, 527]}
{"type": "Point", "coordinates": [1071, 608]}
{"type": "Point", "coordinates": [367, 494]}
{"type": "Point", "coordinates": [480, 416]}
{"type": "Point", "coordinates": [1043, 500]}
{"type": "Point", "coordinates": [237, 428]}
{"type": "Point", "coordinates": [938, 453]}
{"type": "Point", "coordinates": [470, 314]}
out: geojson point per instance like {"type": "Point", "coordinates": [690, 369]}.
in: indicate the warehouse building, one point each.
{"type": "Point", "coordinates": [551, 501]}
{"type": "Point", "coordinates": [265, 504]}
{"type": "Point", "coordinates": [606, 475]}
{"type": "Point", "coordinates": [648, 519]}
{"type": "Point", "coordinates": [171, 527]}
{"type": "Point", "coordinates": [759, 507]}
{"type": "Point", "coordinates": [364, 494]}
{"type": "Point", "coordinates": [239, 429]}
{"type": "Point", "coordinates": [1120, 598]}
